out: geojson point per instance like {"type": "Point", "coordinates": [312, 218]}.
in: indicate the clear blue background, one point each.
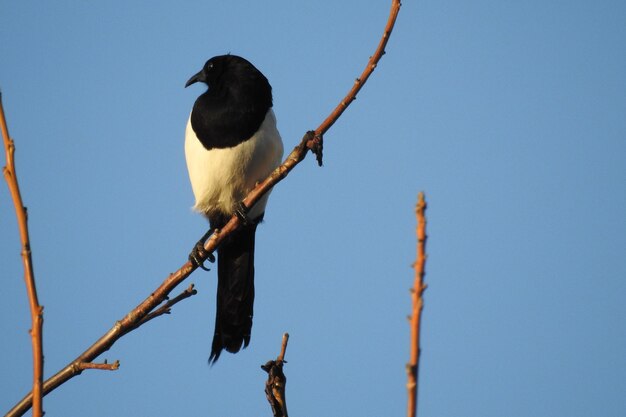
{"type": "Point", "coordinates": [510, 115]}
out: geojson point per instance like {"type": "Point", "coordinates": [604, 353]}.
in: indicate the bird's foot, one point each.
{"type": "Point", "coordinates": [198, 254]}
{"type": "Point", "coordinates": [242, 212]}
{"type": "Point", "coordinates": [316, 144]}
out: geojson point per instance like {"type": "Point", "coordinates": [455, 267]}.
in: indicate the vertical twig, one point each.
{"type": "Point", "coordinates": [418, 305]}
{"type": "Point", "coordinates": [283, 348]}
{"type": "Point", "coordinates": [36, 310]}
{"type": "Point", "coordinates": [276, 381]}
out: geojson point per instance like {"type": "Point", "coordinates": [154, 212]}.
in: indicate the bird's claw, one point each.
{"type": "Point", "coordinates": [242, 212]}
{"type": "Point", "coordinates": [198, 254]}
{"type": "Point", "coordinates": [315, 143]}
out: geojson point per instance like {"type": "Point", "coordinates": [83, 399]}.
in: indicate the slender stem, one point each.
{"type": "Point", "coordinates": [313, 138]}
{"type": "Point", "coordinates": [167, 306]}
{"type": "Point", "coordinates": [104, 343]}
{"type": "Point", "coordinates": [418, 305]}
{"type": "Point", "coordinates": [101, 366]}
{"type": "Point", "coordinates": [277, 381]}
{"type": "Point", "coordinates": [283, 348]}
{"type": "Point", "coordinates": [310, 141]}
{"type": "Point", "coordinates": [369, 68]}
{"type": "Point", "coordinates": [36, 310]}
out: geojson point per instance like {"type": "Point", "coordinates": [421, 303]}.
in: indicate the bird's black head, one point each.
{"type": "Point", "coordinates": [234, 106]}
{"type": "Point", "coordinates": [228, 69]}
{"type": "Point", "coordinates": [209, 73]}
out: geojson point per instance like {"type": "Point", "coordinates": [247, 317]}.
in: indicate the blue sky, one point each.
{"type": "Point", "coordinates": [509, 115]}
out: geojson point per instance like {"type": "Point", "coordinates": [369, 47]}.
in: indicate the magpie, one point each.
{"type": "Point", "coordinates": [231, 144]}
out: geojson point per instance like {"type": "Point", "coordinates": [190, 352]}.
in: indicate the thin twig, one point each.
{"type": "Point", "coordinates": [36, 310]}
{"type": "Point", "coordinates": [418, 304]}
{"type": "Point", "coordinates": [283, 348]}
{"type": "Point", "coordinates": [369, 68]}
{"type": "Point", "coordinates": [311, 141]}
{"type": "Point", "coordinates": [101, 366]}
{"type": "Point", "coordinates": [121, 327]}
{"type": "Point", "coordinates": [277, 381]}
{"type": "Point", "coordinates": [167, 307]}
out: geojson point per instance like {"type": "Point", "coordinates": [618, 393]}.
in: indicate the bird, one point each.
{"type": "Point", "coordinates": [231, 143]}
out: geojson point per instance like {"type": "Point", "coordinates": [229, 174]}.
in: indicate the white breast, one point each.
{"type": "Point", "coordinates": [220, 178]}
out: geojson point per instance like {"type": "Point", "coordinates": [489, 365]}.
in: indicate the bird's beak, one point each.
{"type": "Point", "coordinates": [197, 77]}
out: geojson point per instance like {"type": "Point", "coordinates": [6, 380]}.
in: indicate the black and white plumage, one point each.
{"type": "Point", "coordinates": [231, 143]}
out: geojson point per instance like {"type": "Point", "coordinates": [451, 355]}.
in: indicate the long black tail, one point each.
{"type": "Point", "coordinates": [235, 293]}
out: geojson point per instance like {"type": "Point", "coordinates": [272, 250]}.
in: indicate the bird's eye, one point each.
{"type": "Point", "coordinates": [209, 66]}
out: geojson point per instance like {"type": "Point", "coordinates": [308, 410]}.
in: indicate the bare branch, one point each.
{"type": "Point", "coordinates": [127, 324]}
{"type": "Point", "coordinates": [311, 141]}
{"type": "Point", "coordinates": [276, 382]}
{"type": "Point", "coordinates": [101, 366]}
{"type": "Point", "coordinates": [369, 68]}
{"type": "Point", "coordinates": [418, 289]}
{"type": "Point", "coordinates": [167, 307]}
{"type": "Point", "coordinates": [36, 310]}
{"type": "Point", "coordinates": [283, 348]}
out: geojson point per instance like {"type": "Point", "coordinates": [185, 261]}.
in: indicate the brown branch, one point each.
{"type": "Point", "coordinates": [311, 141]}
{"type": "Point", "coordinates": [36, 310]}
{"type": "Point", "coordinates": [101, 366]}
{"type": "Point", "coordinates": [283, 348]}
{"type": "Point", "coordinates": [167, 307]}
{"type": "Point", "coordinates": [418, 304]}
{"type": "Point", "coordinates": [127, 324]}
{"type": "Point", "coordinates": [276, 382]}
{"type": "Point", "coordinates": [369, 68]}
